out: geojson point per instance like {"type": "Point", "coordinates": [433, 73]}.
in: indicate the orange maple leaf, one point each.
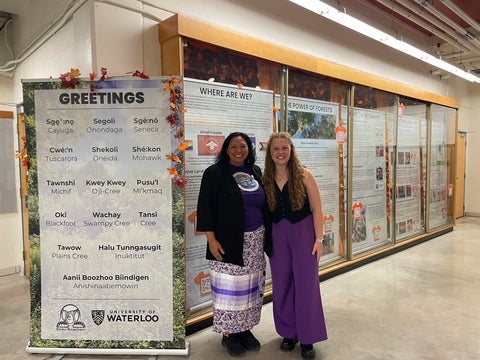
{"type": "Point", "coordinates": [174, 158]}
{"type": "Point", "coordinates": [183, 146]}
{"type": "Point", "coordinates": [74, 73]}
{"type": "Point", "coordinates": [172, 171]}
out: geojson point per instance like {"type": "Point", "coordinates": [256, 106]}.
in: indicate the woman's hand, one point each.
{"type": "Point", "coordinates": [317, 250]}
{"type": "Point", "coordinates": [215, 248]}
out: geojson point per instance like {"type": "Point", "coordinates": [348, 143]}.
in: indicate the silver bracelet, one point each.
{"type": "Point", "coordinates": [319, 241]}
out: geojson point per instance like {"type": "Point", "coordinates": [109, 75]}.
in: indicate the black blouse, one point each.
{"type": "Point", "coordinates": [284, 208]}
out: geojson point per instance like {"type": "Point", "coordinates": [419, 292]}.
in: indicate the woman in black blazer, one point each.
{"type": "Point", "coordinates": [232, 213]}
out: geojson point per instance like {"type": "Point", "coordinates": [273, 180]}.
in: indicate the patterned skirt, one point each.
{"type": "Point", "coordinates": [237, 291]}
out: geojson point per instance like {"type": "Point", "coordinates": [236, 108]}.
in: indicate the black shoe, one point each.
{"type": "Point", "coordinates": [232, 344]}
{"type": "Point", "coordinates": [249, 341]}
{"type": "Point", "coordinates": [288, 344]}
{"type": "Point", "coordinates": [308, 352]}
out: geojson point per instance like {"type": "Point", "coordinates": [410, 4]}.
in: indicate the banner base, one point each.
{"type": "Point", "coordinates": [95, 351]}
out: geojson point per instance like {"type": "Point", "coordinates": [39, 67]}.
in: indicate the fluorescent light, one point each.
{"type": "Point", "coordinates": [469, 36]}
{"type": "Point", "coordinates": [354, 24]}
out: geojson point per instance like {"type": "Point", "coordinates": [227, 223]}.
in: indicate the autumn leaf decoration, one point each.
{"type": "Point", "coordinates": [22, 154]}
{"type": "Point", "coordinates": [70, 79]}
{"type": "Point", "coordinates": [140, 74]}
{"type": "Point", "coordinates": [174, 118]}
{"type": "Point", "coordinates": [103, 76]}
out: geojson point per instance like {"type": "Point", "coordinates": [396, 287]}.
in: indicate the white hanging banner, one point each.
{"type": "Point", "coordinates": [107, 228]}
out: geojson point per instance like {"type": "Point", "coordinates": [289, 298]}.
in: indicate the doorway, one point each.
{"type": "Point", "coordinates": [459, 210]}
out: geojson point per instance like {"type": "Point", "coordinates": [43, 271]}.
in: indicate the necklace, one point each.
{"type": "Point", "coordinates": [281, 178]}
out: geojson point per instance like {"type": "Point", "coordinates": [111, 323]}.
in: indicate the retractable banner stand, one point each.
{"type": "Point", "coordinates": [106, 217]}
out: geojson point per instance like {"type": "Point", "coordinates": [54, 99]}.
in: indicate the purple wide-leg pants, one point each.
{"type": "Point", "coordinates": [297, 303]}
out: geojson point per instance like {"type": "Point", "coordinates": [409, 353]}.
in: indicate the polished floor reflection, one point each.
{"type": "Point", "coordinates": [421, 303]}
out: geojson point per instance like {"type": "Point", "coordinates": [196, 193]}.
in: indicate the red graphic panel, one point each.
{"type": "Point", "coordinates": [209, 144]}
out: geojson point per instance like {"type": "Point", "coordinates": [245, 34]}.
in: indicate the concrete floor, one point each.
{"type": "Point", "coordinates": [421, 303]}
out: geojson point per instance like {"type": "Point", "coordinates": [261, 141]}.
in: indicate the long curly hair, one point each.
{"type": "Point", "coordinates": [296, 187]}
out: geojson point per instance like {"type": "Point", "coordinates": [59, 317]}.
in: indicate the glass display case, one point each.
{"type": "Point", "coordinates": [441, 166]}
{"type": "Point", "coordinates": [410, 169]}
{"type": "Point", "coordinates": [373, 140]}
{"type": "Point", "coordinates": [382, 153]}
{"type": "Point", "coordinates": [316, 119]}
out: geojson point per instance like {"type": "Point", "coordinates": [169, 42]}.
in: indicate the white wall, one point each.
{"type": "Point", "coordinates": [469, 116]}
{"type": "Point", "coordinates": [122, 36]}
{"type": "Point", "coordinates": [123, 52]}
{"type": "Point", "coordinates": [68, 47]}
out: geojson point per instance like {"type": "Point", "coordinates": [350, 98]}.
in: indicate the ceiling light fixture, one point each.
{"type": "Point", "coordinates": [354, 24]}
{"type": "Point", "coordinates": [469, 36]}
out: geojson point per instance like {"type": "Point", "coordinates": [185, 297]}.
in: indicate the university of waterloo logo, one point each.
{"type": "Point", "coordinates": [98, 316]}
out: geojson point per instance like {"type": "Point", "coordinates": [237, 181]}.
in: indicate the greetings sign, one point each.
{"type": "Point", "coordinates": [107, 229]}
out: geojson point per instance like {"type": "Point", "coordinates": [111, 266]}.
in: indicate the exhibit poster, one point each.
{"type": "Point", "coordinates": [408, 191]}
{"type": "Point", "coordinates": [106, 233]}
{"type": "Point", "coordinates": [213, 111]}
{"type": "Point", "coordinates": [438, 173]}
{"type": "Point", "coordinates": [369, 215]}
{"type": "Point", "coordinates": [317, 135]}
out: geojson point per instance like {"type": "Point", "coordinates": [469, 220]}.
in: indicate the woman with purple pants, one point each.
{"type": "Point", "coordinates": [296, 213]}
